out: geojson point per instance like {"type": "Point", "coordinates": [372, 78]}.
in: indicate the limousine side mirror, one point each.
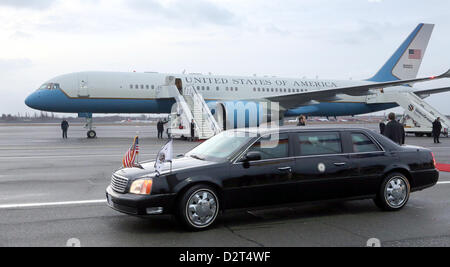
{"type": "Point", "coordinates": [252, 156]}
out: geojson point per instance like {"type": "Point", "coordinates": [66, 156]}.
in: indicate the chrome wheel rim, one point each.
{"type": "Point", "coordinates": [396, 192]}
{"type": "Point", "coordinates": [202, 208]}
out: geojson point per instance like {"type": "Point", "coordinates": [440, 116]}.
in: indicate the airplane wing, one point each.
{"type": "Point", "coordinates": [428, 92]}
{"type": "Point", "coordinates": [298, 99]}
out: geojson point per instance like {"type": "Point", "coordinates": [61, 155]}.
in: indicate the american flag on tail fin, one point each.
{"type": "Point", "coordinates": [415, 54]}
{"type": "Point", "coordinates": [130, 157]}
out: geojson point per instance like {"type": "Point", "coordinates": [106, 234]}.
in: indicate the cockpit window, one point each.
{"type": "Point", "coordinates": [43, 87]}
{"type": "Point", "coordinates": [49, 86]}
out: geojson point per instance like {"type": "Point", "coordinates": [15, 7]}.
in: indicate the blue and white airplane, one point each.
{"type": "Point", "coordinates": [115, 92]}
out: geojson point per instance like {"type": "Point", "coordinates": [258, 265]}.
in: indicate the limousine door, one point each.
{"type": "Point", "coordinates": [322, 169]}
{"type": "Point", "coordinates": [263, 182]}
{"type": "Point", "coordinates": [370, 160]}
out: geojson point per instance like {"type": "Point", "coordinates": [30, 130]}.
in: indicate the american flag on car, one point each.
{"type": "Point", "coordinates": [130, 157]}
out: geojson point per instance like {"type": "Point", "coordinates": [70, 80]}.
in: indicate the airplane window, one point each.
{"type": "Point", "coordinates": [226, 89]}
{"type": "Point", "coordinates": [198, 87]}
{"type": "Point", "coordinates": [217, 88]}
{"type": "Point", "coordinates": [147, 87]}
{"type": "Point", "coordinates": [153, 87]}
{"type": "Point", "coordinates": [131, 86]}
{"type": "Point", "coordinates": [142, 86]}
{"type": "Point", "coordinates": [207, 88]}
{"type": "Point", "coordinates": [137, 86]}
{"type": "Point", "coordinates": [259, 89]}
{"type": "Point", "coordinates": [43, 87]}
{"type": "Point", "coordinates": [236, 89]}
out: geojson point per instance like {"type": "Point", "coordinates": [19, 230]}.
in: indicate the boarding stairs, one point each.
{"type": "Point", "coordinates": [190, 105]}
{"type": "Point", "coordinates": [419, 115]}
{"type": "Point", "coordinates": [206, 124]}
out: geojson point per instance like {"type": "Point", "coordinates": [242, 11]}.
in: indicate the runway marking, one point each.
{"type": "Point", "coordinates": [83, 202]}
{"type": "Point", "coordinates": [66, 203]}
{"type": "Point", "coordinates": [72, 156]}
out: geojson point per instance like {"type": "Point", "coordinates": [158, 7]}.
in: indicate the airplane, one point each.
{"type": "Point", "coordinates": [87, 93]}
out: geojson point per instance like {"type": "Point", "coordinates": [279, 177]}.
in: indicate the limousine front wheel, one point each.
{"type": "Point", "coordinates": [199, 207]}
{"type": "Point", "coordinates": [394, 192]}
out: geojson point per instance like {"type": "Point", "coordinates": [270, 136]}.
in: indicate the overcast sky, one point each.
{"type": "Point", "coordinates": [335, 39]}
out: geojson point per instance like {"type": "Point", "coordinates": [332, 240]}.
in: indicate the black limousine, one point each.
{"type": "Point", "coordinates": [248, 168]}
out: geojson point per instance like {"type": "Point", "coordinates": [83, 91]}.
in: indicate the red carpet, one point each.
{"type": "Point", "coordinates": [443, 167]}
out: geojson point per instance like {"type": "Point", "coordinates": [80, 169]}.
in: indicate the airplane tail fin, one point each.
{"type": "Point", "coordinates": [405, 62]}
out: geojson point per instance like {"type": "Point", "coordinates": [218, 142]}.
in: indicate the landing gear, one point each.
{"type": "Point", "coordinates": [91, 134]}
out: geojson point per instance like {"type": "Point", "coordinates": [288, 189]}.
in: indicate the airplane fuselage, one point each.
{"type": "Point", "coordinates": [117, 92]}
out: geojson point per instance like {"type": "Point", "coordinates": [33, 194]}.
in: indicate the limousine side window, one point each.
{"type": "Point", "coordinates": [272, 147]}
{"type": "Point", "coordinates": [320, 143]}
{"type": "Point", "coordinates": [362, 143]}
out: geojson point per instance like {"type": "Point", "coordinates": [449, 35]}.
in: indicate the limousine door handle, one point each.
{"type": "Point", "coordinates": [285, 169]}
{"type": "Point", "coordinates": [340, 164]}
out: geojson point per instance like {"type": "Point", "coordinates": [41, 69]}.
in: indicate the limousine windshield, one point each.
{"type": "Point", "coordinates": [221, 147]}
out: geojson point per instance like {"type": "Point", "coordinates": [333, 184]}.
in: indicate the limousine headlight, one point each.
{"type": "Point", "coordinates": [141, 187]}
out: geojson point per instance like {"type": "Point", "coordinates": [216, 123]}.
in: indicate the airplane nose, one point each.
{"type": "Point", "coordinates": [32, 100]}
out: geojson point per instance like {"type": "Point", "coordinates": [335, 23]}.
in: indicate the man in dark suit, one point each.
{"type": "Point", "coordinates": [192, 130]}
{"type": "Point", "coordinates": [160, 127]}
{"type": "Point", "coordinates": [64, 128]}
{"type": "Point", "coordinates": [394, 130]}
{"type": "Point", "coordinates": [382, 127]}
{"type": "Point", "coordinates": [437, 128]}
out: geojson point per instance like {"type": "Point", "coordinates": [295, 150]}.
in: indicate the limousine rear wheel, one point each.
{"type": "Point", "coordinates": [198, 207]}
{"type": "Point", "coordinates": [394, 192]}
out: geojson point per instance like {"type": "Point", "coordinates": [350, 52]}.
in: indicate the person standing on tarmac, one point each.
{"type": "Point", "coordinates": [394, 130]}
{"type": "Point", "coordinates": [301, 121]}
{"type": "Point", "coordinates": [64, 128]}
{"type": "Point", "coordinates": [382, 127]}
{"type": "Point", "coordinates": [192, 130]}
{"type": "Point", "coordinates": [437, 128]}
{"type": "Point", "coordinates": [160, 127]}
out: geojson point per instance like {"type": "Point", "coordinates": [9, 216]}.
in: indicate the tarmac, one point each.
{"type": "Point", "coordinates": [52, 190]}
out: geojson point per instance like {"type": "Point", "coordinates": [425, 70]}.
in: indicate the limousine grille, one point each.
{"type": "Point", "coordinates": [119, 184]}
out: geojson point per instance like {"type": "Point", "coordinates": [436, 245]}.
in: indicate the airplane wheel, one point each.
{"type": "Point", "coordinates": [91, 134]}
